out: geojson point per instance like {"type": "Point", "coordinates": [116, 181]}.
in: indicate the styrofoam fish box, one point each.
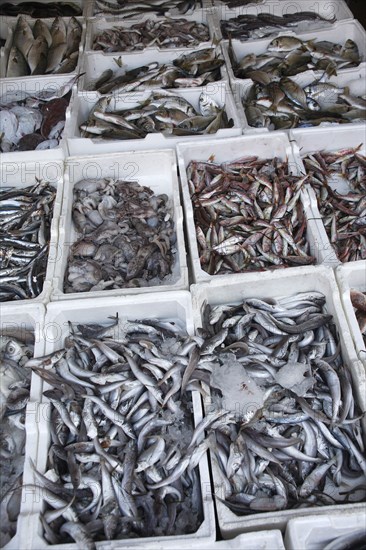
{"type": "Point", "coordinates": [48, 21]}
{"type": "Point", "coordinates": [306, 141]}
{"type": "Point", "coordinates": [82, 105]}
{"type": "Point", "coordinates": [95, 63]}
{"type": "Point", "coordinates": [258, 540]}
{"type": "Point", "coordinates": [171, 306]}
{"type": "Point", "coordinates": [155, 169]}
{"type": "Point", "coordinates": [355, 79]}
{"type": "Point", "coordinates": [268, 145]}
{"type": "Point", "coordinates": [315, 532]}
{"type": "Point", "coordinates": [18, 89]}
{"type": "Point", "coordinates": [22, 174]}
{"type": "Point", "coordinates": [17, 319]}
{"type": "Point", "coordinates": [352, 276]}
{"type": "Point", "coordinates": [275, 285]}
{"type": "Point", "coordinates": [329, 10]}
{"type": "Point", "coordinates": [338, 33]}
{"type": "Point", "coordinates": [97, 25]}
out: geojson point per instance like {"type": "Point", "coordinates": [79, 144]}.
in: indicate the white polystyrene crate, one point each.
{"type": "Point", "coordinates": [21, 174]}
{"type": "Point", "coordinates": [256, 540]}
{"type": "Point", "coordinates": [355, 79]}
{"type": "Point", "coordinates": [95, 63]}
{"type": "Point", "coordinates": [267, 145]}
{"type": "Point", "coordinates": [275, 285]}
{"type": "Point", "coordinates": [17, 319]}
{"type": "Point", "coordinates": [97, 25]}
{"type": "Point", "coordinates": [352, 275]}
{"type": "Point", "coordinates": [315, 532]}
{"type": "Point", "coordinates": [334, 10]}
{"type": "Point", "coordinates": [155, 169]}
{"type": "Point", "coordinates": [306, 141]}
{"type": "Point", "coordinates": [338, 33]}
{"type": "Point", "coordinates": [55, 77]}
{"type": "Point", "coordinates": [20, 88]}
{"type": "Point", "coordinates": [171, 306]}
{"type": "Point", "coordinates": [82, 105]}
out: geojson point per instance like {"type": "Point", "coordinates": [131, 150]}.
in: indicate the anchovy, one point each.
{"type": "Point", "coordinates": [129, 439]}
{"type": "Point", "coordinates": [287, 436]}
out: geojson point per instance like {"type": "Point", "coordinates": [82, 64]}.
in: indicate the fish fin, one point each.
{"type": "Point", "coordinates": [309, 44]}
{"type": "Point", "coordinates": [118, 61]}
{"type": "Point", "coordinates": [331, 70]}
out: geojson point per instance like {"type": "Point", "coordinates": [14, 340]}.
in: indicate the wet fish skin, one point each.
{"type": "Point", "coordinates": [163, 34]}
{"type": "Point", "coordinates": [17, 65]}
{"type": "Point", "coordinates": [117, 463]}
{"type": "Point", "coordinates": [322, 427]}
{"type": "Point", "coordinates": [45, 50]}
{"type": "Point", "coordinates": [340, 211]}
{"type": "Point", "coordinates": [134, 240]}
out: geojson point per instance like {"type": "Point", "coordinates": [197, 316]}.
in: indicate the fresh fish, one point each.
{"type": "Point", "coordinates": [26, 123]}
{"type": "Point", "coordinates": [261, 225]}
{"type": "Point", "coordinates": [155, 462]}
{"type": "Point", "coordinates": [276, 398]}
{"type": "Point", "coordinates": [37, 56]}
{"type": "Point", "coordinates": [135, 8]}
{"type": "Point", "coordinates": [162, 111]}
{"type": "Point", "coordinates": [38, 49]}
{"type": "Point", "coordinates": [14, 395]}
{"type": "Point", "coordinates": [17, 65]}
{"type": "Point", "coordinates": [169, 33]}
{"type": "Point", "coordinates": [343, 214]}
{"type": "Point", "coordinates": [300, 106]}
{"type": "Point", "coordinates": [134, 239]}
{"type": "Point", "coordinates": [24, 240]}
{"type": "Point", "coordinates": [289, 55]}
{"type": "Point", "coordinates": [358, 300]}
{"type": "Point", "coordinates": [40, 29]}
{"type": "Point", "coordinates": [247, 26]}
{"type": "Point", "coordinates": [40, 9]}
{"type": "Point", "coordinates": [185, 71]}
{"type": "Point", "coordinates": [23, 36]}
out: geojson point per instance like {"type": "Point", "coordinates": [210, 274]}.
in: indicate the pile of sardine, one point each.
{"type": "Point", "coordinates": [284, 104]}
{"type": "Point", "coordinates": [41, 9]}
{"type": "Point", "coordinates": [343, 214]}
{"type": "Point", "coordinates": [169, 33]}
{"type": "Point", "coordinates": [135, 8]}
{"type": "Point", "coordinates": [358, 300]}
{"type": "Point", "coordinates": [188, 70]}
{"type": "Point", "coordinates": [163, 112]}
{"type": "Point", "coordinates": [34, 122]}
{"type": "Point", "coordinates": [288, 56]}
{"type": "Point", "coordinates": [40, 50]}
{"type": "Point", "coordinates": [248, 215]}
{"type": "Point", "coordinates": [127, 236]}
{"type": "Point", "coordinates": [25, 233]}
{"type": "Point", "coordinates": [123, 455]}
{"type": "Point", "coordinates": [297, 439]}
{"type": "Point", "coordinates": [245, 27]}
{"type": "Point", "coordinates": [15, 350]}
